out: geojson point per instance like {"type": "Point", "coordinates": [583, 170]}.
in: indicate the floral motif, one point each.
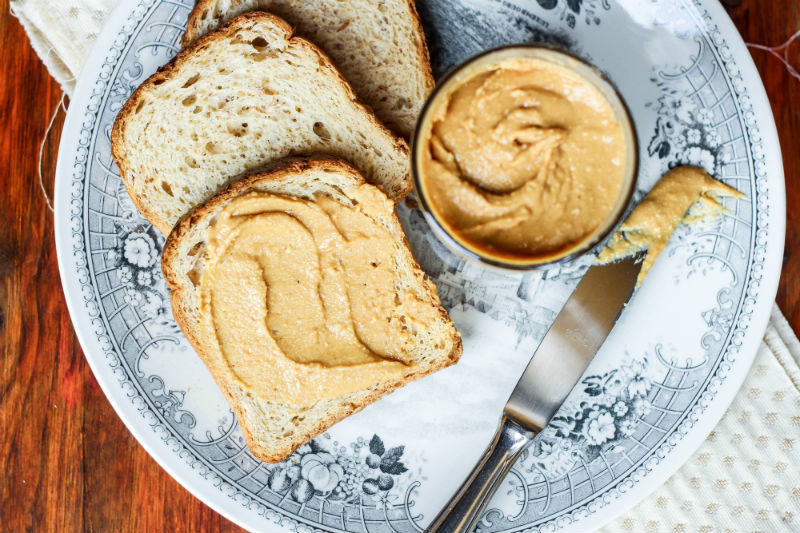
{"type": "Point", "coordinates": [321, 470]}
{"type": "Point", "coordinates": [641, 406]}
{"type": "Point", "coordinates": [572, 10]}
{"type": "Point", "coordinates": [685, 133]}
{"type": "Point", "coordinates": [627, 427]}
{"type": "Point", "coordinates": [136, 258]}
{"type": "Point", "coordinates": [333, 473]}
{"type": "Point", "coordinates": [618, 402]}
{"type": "Point", "coordinates": [599, 427]}
{"type": "Point", "coordinates": [638, 386]}
{"type": "Point", "coordinates": [694, 131]}
{"type": "Point", "coordinates": [140, 250]}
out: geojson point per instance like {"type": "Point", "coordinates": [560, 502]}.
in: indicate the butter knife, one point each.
{"type": "Point", "coordinates": [566, 350]}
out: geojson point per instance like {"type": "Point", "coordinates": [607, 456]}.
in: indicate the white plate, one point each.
{"type": "Point", "coordinates": [657, 387]}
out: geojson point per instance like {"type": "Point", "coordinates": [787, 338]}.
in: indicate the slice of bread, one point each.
{"type": "Point", "coordinates": [240, 98]}
{"type": "Point", "coordinates": [273, 430]}
{"type": "Point", "coordinates": [379, 46]}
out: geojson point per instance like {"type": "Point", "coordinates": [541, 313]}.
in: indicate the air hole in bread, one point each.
{"type": "Point", "coordinates": [223, 71]}
{"type": "Point", "coordinates": [196, 248]}
{"type": "Point", "coordinates": [197, 110]}
{"type": "Point", "coordinates": [259, 43]}
{"type": "Point", "coordinates": [166, 187]}
{"type": "Point", "coordinates": [140, 106]}
{"type": "Point", "coordinates": [159, 82]}
{"type": "Point", "coordinates": [212, 148]}
{"type": "Point", "coordinates": [191, 81]}
{"type": "Point", "coordinates": [269, 91]}
{"type": "Point", "coordinates": [192, 162]}
{"type": "Point", "coordinates": [237, 131]}
{"type": "Point", "coordinates": [259, 57]}
{"type": "Point", "coordinates": [321, 131]}
{"type": "Point", "coordinates": [194, 276]}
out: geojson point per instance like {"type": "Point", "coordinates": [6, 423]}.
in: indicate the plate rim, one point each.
{"type": "Point", "coordinates": [198, 485]}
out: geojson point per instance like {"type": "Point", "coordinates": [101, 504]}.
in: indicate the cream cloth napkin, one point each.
{"type": "Point", "coordinates": [745, 478]}
{"type": "Point", "coordinates": [62, 32]}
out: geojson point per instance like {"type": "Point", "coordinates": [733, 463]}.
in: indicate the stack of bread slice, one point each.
{"type": "Point", "coordinates": [240, 110]}
{"type": "Point", "coordinates": [378, 46]}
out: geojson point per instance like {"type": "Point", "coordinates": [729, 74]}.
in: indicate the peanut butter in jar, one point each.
{"type": "Point", "coordinates": [524, 156]}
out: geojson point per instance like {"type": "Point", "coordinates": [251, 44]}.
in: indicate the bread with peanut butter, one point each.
{"type": "Point", "coordinates": [239, 98]}
{"type": "Point", "coordinates": [379, 46]}
{"type": "Point", "coordinates": [298, 290]}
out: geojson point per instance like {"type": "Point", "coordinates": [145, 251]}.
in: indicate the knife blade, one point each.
{"type": "Point", "coordinates": [577, 333]}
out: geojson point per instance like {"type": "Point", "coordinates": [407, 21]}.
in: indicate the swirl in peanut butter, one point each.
{"type": "Point", "coordinates": [302, 296]}
{"type": "Point", "coordinates": [524, 160]}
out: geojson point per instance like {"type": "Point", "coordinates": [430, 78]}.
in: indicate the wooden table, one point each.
{"type": "Point", "coordinates": [67, 463]}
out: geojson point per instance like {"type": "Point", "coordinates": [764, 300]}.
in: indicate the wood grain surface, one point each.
{"type": "Point", "coordinates": [67, 463]}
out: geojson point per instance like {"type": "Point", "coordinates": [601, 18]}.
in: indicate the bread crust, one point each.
{"type": "Point", "coordinates": [242, 22]}
{"type": "Point", "coordinates": [193, 22]}
{"type": "Point", "coordinates": [232, 392]}
{"type": "Point", "coordinates": [422, 49]}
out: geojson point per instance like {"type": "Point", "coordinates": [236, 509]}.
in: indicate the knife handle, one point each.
{"type": "Point", "coordinates": [462, 512]}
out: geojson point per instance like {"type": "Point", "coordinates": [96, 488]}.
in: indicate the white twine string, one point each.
{"type": "Point", "coordinates": [781, 52]}
{"type": "Point", "coordinates": [59, 105]}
